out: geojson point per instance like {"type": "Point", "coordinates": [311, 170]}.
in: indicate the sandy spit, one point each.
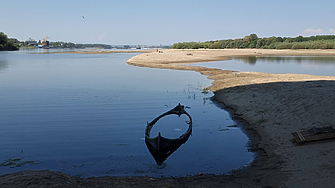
{"type": "Point", "coordinates": [273, 106]}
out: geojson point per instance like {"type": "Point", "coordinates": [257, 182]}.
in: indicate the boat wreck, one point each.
{"type": "Point", "coordinates": [161, 148]}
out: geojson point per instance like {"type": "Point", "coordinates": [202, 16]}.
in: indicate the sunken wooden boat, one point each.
{"type": "Point", "coordinates": [161, 148]}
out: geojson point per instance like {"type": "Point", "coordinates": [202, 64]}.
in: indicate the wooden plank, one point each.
{"type": "Point", "coordinates": [313, 134]}
{"type": "Point", "coordinates": [315, 130]}
{"type": "Point", "coordinates": [302, 138]}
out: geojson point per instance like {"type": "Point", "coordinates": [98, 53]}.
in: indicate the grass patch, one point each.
{"type": "Point", "coordinates": [140, 171]}
{"type": "Point", "coordinates": [260, 121]}
{"type": "Point", "coordinates": [12, 163]}
{"type": "Point", "coordinates": [81, 165]}
{"type": "Point", "coordinates": [205, 91]}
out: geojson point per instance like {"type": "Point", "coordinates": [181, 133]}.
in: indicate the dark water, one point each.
{"type": "Point", "coordinates": [313, 65]}
{"type": "Point", "coordinates": [85, 115]}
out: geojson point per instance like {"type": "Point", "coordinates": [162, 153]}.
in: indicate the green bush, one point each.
{"type": "Point", "coordinates": [284, 45]}
{"type": "Point", "coordinates": [299, 45]}
{"type": "Point", "coordinates": [10, 46]}
{"type": "Point", "coordinates": [3, 38]}
{"type": "Point", "coordinates": [6, 44]}
{"type": "Point", "coordinates": [216, 45]}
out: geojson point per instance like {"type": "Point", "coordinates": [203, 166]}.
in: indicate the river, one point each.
{"type": "Point", "coordinates": [85, 115]}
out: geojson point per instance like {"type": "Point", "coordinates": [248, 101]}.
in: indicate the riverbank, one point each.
{"type": "Point", "coordinates": [272, 106]}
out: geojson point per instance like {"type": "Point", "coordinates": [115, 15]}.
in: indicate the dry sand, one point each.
{"type": "Point", "coordinates": [270, 106]}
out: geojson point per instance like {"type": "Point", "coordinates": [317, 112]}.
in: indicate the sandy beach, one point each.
{"type": "Point", "coordinates": [269, 106]}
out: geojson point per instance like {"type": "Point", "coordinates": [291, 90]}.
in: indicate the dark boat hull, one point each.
{"type": "Point", "coordinates": [161, 148]}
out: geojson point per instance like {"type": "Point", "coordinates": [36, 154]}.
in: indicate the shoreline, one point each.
{"type": "Point", "coordinates": [273, 106]}
{"type": "Point", "coordinates": [269, 106]}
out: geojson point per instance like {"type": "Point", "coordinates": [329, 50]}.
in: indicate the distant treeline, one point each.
{"type": "Point", "coordinates": [252, 41]}
{"type": "Point", "coordinates": [73, 45]}
{"type": "Point", "coordinates": [6, 43]}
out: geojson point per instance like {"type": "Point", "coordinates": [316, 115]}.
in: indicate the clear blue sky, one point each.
{"type": "Point", "coordinates": [163, 22]}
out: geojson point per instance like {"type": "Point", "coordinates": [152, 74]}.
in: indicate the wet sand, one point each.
{"type": "Point", "coordinates": [270, 107]}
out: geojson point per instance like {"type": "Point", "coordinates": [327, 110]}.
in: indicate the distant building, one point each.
{"type": "Point", "coordinates": [126, 47]}
{"type": "Point", "coordinates": [31, 42]}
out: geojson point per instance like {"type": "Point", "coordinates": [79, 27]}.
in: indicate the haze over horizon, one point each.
{"type": "Point", "coordinates": [163, 22]}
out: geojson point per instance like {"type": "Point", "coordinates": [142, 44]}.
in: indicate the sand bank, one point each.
{"type": "Point", "coordinates": [274, 106]}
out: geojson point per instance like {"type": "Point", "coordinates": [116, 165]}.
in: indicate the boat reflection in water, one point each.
{"type": "Point", "coordinates": [161, 148]}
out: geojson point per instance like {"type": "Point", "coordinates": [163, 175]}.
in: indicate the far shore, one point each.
{"type": "Point", "coordinates": [273, 106]}
{"type": "Point", "coordinates": [96, 51]}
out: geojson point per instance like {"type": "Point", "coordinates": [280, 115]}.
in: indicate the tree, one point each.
{"type": "Point", "coordinates": [298, 39]}
{"type": "Point", "coordinates": [216, 45]}
{"type": "Point", "coordinates": [270, 40]}
{"type": "Point", "coordinates": [288, 40]}
{"type": "Point", "coordinates": [7, 44]}
{"type": "Point", "coordinates": [10, 46]}
{"type": "Point", "coordinates": [254, 37]}
{"type": "Point", "coordinates": [279, 39]}
{"type": "Point", "coordinates": [3, 38]}
{"type": "Point", "coordinates": [253, 44]}
{"type": "Point", "coordinates": [250, 38]}
{"type": "Point", "coordinates": [260, 43]}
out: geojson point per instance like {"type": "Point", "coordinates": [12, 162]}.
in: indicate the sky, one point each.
{"type": "Point", "coordinates": [155, 22]}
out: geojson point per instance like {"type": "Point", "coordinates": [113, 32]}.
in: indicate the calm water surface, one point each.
{"type": "Point", "coordinates": [314, 65]}
{"type": "Point", "coordinates": [85, 115]}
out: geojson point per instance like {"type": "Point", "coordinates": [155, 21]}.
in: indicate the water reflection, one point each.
{"type": "Point", "coordinates": [161, 148]}
{"type": "Point", "coordinates": [250, 59]}
{"type": "Point", "coordinates": [287, 59]}
{"type": "Point", "coordinates": [3, 65]}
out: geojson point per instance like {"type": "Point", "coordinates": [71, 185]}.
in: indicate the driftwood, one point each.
{"type": "Point", "coordinates": [313, 134]}
{"type": "Point", "coordinates": [161, 148]}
